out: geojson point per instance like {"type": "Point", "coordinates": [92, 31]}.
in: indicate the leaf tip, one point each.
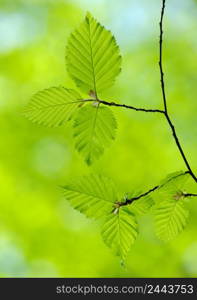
{"type": "Point", "coordinates": [88, 16]}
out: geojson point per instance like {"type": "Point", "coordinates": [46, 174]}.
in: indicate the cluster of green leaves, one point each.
{"type": "Point", "coordinates": [97, 197]}
{"type": "Point", "coordinates": [93, 61]}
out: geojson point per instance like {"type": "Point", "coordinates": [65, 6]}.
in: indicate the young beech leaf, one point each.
{"type": "Point", "coordinates": [52, 107]}
{"type": "Point", "coordinates": [172, 184]}
{"type": "Point", "coordinates": [174, 181]}
{"type": "Point", "coordinates": [141, 206]}
{"type": "Point", "coordinates": [93, 58]}
{"type": "Point", "coordinates": [120, 231]}
{"type": "Point", "coordinates": [94, 129]}
{"type": "Point", "coordinates": [92, 195]}
{"type": "Point", "coordinates": [170, 217]}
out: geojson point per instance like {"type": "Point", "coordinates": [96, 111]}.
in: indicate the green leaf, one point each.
{"type": "Point", "coordinates": [52, 107]}
{"type": "Point", "coordinates": [170, 212]}
{"type": "Point", "coordinates": [141, 206]}
{"type": "Point", "coordinates": [174, 183]}
{"type": "Point", "coordinates": [120, 231]}
{"type": "Point", "coordinates": [170, 218]}
{"type": "Point", "coordinates": [92, 195]}
{"type": "Point", "coordinates": [94, 129]}
{"type": "Point", "coordinates": [93, 58]}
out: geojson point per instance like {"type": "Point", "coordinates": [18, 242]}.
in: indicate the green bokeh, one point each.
{"type": "Point", "coordinates": [40, 234]}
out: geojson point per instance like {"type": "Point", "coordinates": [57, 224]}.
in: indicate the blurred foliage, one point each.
{"type": "Point", "coordinates": [40, 234]}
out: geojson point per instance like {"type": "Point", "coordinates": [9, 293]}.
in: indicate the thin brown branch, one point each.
{"type": "Point", "coordinates": [129, 201]}
{"type": "Point", "coordinates": [161, 55]}
{"type": "Point", "coordinates": [174, 134]}
{"type": "Point", "coordinates": [190, 195]}
{"type": "Point", "coordinates": [124, 106]}
{"type": "Point", "coordinates": [131, 107]}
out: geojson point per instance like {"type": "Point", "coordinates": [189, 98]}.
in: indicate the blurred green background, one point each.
{"type": "Point", "coordinates": [40, 234]}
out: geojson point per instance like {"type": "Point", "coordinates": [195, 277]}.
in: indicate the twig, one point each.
{"type": "Point", "coordinates": [131, 107]}
{"type": "Point", "coordinates": [190, 195]}
{"type": "Point", "coordinates": [161, 55]}
{"type": "Point", "coordinates": [124, 106]}
{"type": "Point", "coordinates": [164, 94]}
{"type": "Point", "coordinates": [129, 201]}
